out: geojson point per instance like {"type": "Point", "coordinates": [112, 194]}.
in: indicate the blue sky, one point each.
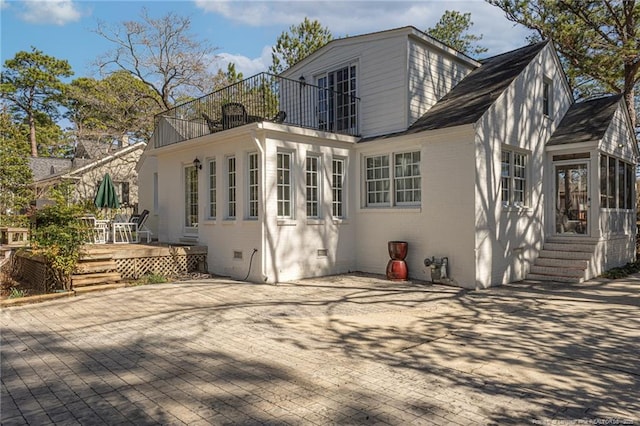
{"type": "Point", "coordinates": [243, 31]}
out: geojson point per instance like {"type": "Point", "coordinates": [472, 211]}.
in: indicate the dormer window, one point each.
{"type": "Point", "coordinates": [547, 85]}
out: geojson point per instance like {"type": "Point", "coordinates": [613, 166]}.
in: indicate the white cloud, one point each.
{"type": "Point", "coordinates": [58, 12]}
{"type": "Point", "coordinates": [359, 17]}
{"type": "Point", "coordinates": [247, 66]}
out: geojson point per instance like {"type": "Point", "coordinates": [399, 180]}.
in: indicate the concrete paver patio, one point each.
{"type": "Point", "coordinates": [347, 349]}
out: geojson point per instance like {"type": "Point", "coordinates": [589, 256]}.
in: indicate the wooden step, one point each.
{"type": "Point", "coordinates": [87, 267]}
{"type": "Point", "coordinates": [99, 287]}
{"type": "Point", "coordinates": [98, 278]}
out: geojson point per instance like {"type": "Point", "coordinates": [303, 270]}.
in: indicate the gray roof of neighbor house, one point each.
{"type": "Point", "coordinates": [89, 149]}
{"type": "Point", "coordinates": [43, 167]}
{"type": "Point", "coordinates": [585, 121]}
{"type": "Point", "coordinates": [475, 94]}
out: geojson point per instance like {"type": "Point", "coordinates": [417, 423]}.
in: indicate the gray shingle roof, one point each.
{"type": "Point", "coordinates": [585, 121]}
{"type": "Point", "coordinates": [43, 167]}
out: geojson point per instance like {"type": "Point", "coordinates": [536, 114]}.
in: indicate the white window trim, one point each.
{"type": "Point", "coordinates": [396, 179]}
{"type": "Point", "coordinates": [212, 200]}
{"type": "Point", "coordinates": [256, 185]}
{"type": "Point", "coordinates": [392, 187]}
{"type": "Point", "coordinates": [319, 191]}
{"type": "Point", "coordinates": [228, 187]}
{"type": "Point", "coordinates": [343, 188]}
{"type": "Point", "coordinates": [282, 219]}
{"type": "Point", "coordinates": [547, 102]}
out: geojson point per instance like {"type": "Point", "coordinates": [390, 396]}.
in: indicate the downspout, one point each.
{"type": "Point", "coordinates": [263, 202]}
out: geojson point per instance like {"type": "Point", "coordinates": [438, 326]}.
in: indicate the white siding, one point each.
{"type": "Point", "coordinates": [432, 74]}
{"type": "Point", "coordinates": [442, 226]}
{"type": "Point", "coordinates": [507, 241]}
{"type": "Point", "coordinates": [398, 77]}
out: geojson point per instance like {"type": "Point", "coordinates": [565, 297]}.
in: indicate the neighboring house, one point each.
{"type": "Point", "coordinates": [395, 136]}
{"type": "Point", "coordinates": [86, 170]}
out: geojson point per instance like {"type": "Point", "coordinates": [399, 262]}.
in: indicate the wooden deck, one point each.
{"type": "Point", "coordinates": [110, 264]}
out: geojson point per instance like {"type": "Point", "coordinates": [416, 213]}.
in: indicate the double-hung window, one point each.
{"type": "Point", "coordinates": [283, 185]}
{"type": "Point", "coordinates": [212, 189]}
{"type": "Point", "coordinates": [231, 188]}
{"type": "Point", "coordinates": [253, 185]}
{"type": "Point", "coordinates": [337, 103]}
{"type": "Point", "coordinates": [514, 178]}
{"type": "Point", "coordinates": [405, 180]}
{"type": "Point", "coordinates": [337, 187]}
{"type": "Point", "coordinates": [312, 173]}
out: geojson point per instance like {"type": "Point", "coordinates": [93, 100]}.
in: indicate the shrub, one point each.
{"type": "Point", "coordinates": [57, 237]}
{"type": "Point", "coordinates": [623, 271]}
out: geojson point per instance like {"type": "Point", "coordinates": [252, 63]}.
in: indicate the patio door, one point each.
{"type": "Point", "coordinates": [572, 201]}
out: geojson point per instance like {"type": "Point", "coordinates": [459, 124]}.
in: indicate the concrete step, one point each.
{"type": "Point", "coordinates": [586, 248]}
{"type": "Point", "coordinates": [562, 263]}
{"type": "Point", "coordinates": [98, 278]}
{"type": "Point", "coordinates": [86, 267]}
{"type": "Point", "coordinates": [562, 254]}
{"type": "Point", "coordinates": [556, 271]}
{"type": "Point", "coordinates": [542, 277]}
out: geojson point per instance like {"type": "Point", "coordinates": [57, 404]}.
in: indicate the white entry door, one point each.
{"type": "Point", "coordinates": [572, 202]}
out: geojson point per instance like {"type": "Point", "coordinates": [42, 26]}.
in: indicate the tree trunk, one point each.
{"type": "Point", "coordinates": [32, 136]}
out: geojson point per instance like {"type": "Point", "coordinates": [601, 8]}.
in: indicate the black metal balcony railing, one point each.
{"type": "Point", "coordinates": [263, 97]}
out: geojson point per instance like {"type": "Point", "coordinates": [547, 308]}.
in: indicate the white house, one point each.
{"type": "Point", "coordinates": [395, 136]}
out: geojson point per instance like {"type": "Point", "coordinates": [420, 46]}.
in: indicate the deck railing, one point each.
{"type": "Point", "coordinates": [263, 97]}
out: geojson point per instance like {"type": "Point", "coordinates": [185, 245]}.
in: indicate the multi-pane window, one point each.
{"type": "Point", "coordinates": [190, 197]}
{"type": "Point", "coordinates": [337, 187]}
{"type": "Point", "coordinates": [337, 106]}
{"type": "Point", "coordinates": [513, 178]}
{"type": "Point", "coordinates": [212, 189]}
{"type": "Point", "coordinates": [312, 176]}
{"type": "Point", "coordinates": [231, 188]}
{"type": "Point", "coordinates": [283, 176]}
{"type": "Point", "coordinates": [377, 180]}
{"type": "Point", "coordinates": [407, 178]}
{"type": "Point", "coordinates": [253, 185]}
{"type": "Point", "coordinates": [617, 180]}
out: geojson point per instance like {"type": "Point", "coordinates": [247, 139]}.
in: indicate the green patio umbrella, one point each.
{"type": "Point", "coordinates": [106, 195]}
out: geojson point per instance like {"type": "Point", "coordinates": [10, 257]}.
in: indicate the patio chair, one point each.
{"type": "Point", "coordinates": [142, 228]}
{"type": "Point", "coordinates": [279, 117]}
{"type": "Point", "coordinates": [96, 231]}
{"type": "Point", "coordinates": [233, 115]}
{"type": "Point", "coordinates": [214, 126]}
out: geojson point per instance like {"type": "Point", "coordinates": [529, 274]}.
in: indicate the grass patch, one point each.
{"type": "Point", "coordinates": [150, 279]}
{"type": "Point", "coordinates": [15, 293]}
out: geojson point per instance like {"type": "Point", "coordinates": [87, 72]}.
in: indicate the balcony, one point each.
{"type": "Point", "coordinates": [263, 97]}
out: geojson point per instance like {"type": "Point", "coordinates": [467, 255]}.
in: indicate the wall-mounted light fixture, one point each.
{"type": "Point", "coordinates": [197, 164]}
{"type": "Point", "coordinates": [302, 80]}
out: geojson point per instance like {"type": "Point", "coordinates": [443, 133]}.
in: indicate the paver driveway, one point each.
{"type": "Point", "coordinates": [340, 350]}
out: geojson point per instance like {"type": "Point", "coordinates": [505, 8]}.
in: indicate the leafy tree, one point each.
{"type": "Point", "coordinates": [118, 105]}
{"type": "Point", "coordinates": [31, 83]}
{"type": "Point", "coordinates": [599, 40]}
{"type": "Point", "coordinates": [295, 45]}
{"type": "Point", "coordinates": [452, 29]}
{"type": "Point", "coordinates": [15, 174]}
{"type": "Point", "coordinates": [161, 53]}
